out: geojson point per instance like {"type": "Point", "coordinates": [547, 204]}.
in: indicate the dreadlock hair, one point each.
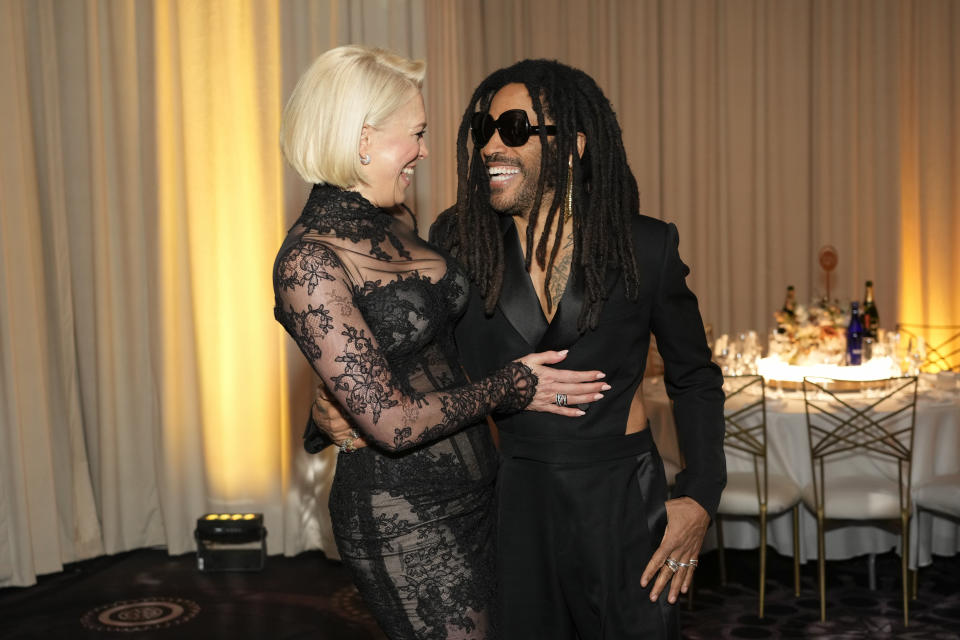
{"type": "Point", "coordinates": [605, 191]}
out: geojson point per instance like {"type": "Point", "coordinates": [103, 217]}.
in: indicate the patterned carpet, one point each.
{"type": "Point", "coordinates": [149, 595]}
{"type": "Point", "coordinates": [853, 610]}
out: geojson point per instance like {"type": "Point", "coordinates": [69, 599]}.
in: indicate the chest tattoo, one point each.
{"type": "Point", "coordinates": [561, 271]}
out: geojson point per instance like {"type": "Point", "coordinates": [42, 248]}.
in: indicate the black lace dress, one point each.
{"type": "Point", "coordinates": [372, 307]}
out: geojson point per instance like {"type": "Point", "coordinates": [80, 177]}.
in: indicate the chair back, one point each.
{"type": "Point", "coordinates": [942, 345]}
{"type": "Point", "coordinates": [745, 414]}
{"type": "Point", "coordinates": [841, 423]}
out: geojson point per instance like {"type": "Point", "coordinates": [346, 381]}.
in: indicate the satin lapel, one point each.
{"type": "Point", "coordinates": [518, 300]}
{"type": "Point", "coordinates": [613, 277]}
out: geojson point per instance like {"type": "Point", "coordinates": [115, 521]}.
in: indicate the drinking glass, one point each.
{"type": "Point", "coordinates": [916, 355]}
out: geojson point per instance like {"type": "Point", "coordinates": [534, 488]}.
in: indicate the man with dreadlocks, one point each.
{"type": "Point", "coordinates": [547, 225]}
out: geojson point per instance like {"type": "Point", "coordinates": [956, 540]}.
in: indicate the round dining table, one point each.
{"type": "Point", "coordinates": [936, 452]}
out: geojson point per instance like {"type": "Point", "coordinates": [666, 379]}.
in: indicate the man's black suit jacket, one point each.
{"type": "Point", "coordinates": [618, 347]}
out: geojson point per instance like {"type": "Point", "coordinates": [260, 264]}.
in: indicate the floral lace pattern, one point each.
{"type": "Point", "coordinates": [343, 344]}
{"type": "Point", "coordinates": [350, 216]}
{"type": "Point", "coordinates": [372, 308]}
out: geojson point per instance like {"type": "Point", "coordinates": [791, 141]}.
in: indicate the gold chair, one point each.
{"type": "Point", "coordinates": [842, 429]}
{"type": "Point", "coordinates": [757, 492]}
{"type": "Point", "coordinates": [939, 495]}
{"type": "Point", "coordinates": [942, 341]}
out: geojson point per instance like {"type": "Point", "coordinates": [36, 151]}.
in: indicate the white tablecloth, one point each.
{"type": "Point", "coordinates": [936, 452]}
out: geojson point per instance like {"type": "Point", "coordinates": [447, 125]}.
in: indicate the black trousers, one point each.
{"type": "Point", "coordinates": [578, 522]}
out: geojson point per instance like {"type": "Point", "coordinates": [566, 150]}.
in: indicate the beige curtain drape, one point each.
{"type": "Point", "coordinates": [764, 130]}
{"type": "Point", "coordinates": [142, 197]}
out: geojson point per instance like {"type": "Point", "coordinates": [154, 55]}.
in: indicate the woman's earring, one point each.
{"type": "Point", "coordinates": [365, 158]}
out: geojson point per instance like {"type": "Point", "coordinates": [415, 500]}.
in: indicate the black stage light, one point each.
{"type": "Point", "coordinates": [231, 542]}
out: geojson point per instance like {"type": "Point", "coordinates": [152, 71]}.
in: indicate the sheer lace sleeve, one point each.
{"type": "Point", "coordinates": [315, 305]}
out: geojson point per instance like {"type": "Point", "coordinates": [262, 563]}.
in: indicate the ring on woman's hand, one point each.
{"type": "Point", "coordinates": [694, 562]}
{"type": "Point", "coordinates": [673, 564]}
{"type": "Point", "coordinates": [561, 399]}
{"type": "Point", "coordinates": [346, 445]}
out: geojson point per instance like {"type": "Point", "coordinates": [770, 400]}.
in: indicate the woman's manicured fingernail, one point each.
{"type": "Point", "coordinates": [601, 375]}
{"type": "Point", "coordinates": [605, 387]}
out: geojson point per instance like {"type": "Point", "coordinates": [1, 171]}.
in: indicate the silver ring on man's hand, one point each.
{"type": "Point", "coordinates": [673, 564]}
{"type": "Point", "coordinates": [561, 399]}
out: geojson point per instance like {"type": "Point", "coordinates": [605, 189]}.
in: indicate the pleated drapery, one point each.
{"type": "Point", "coordinates": [142, 197]}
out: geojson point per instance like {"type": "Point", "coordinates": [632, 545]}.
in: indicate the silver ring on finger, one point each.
{"type": "Point", "coordinates": [561, 399]}
{"type": "Point", "coordinates": [672, 564]}
{"type": "Point", "coordinates": [694, 562]}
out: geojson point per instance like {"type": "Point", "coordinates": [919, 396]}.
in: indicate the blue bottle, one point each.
{"type": "Point", "coordinates": [855, 336]}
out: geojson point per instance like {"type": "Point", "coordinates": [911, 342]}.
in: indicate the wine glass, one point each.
{"type": "Point", "coordinates": [893, 342]}
{"type": "Point", "coordinates": [721, 353]}
{"type": "Point", "coordinates": [916, 355]}
{"type": "Point", "coordinates": [751, 352]}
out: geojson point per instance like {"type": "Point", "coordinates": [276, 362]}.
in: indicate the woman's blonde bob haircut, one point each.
{"type": "Point", "coordinates": [344, 89]}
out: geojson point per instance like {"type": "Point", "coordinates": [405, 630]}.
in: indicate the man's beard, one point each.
{"type": "Point", "coordinates": [525, 197]}
{"type": "Point", "coordinates": [521, 202]}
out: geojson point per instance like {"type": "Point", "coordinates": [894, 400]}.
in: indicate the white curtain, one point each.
{"type": "Point", "coordinates": [142, 197]}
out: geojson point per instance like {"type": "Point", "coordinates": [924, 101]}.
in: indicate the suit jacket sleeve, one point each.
{"type": "Point", "coordinates": [315, 439]}
{"type": "Point", "coordinates": [693, 382]}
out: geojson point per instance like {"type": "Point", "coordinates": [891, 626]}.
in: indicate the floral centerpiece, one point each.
{"type": "Point", "coordinates": [814, 334]}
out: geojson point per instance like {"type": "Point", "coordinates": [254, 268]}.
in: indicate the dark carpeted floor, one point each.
{"type": "Point", "coordinates": [149, 595]}
{"type": "Point", "coordinates": [853, 610]}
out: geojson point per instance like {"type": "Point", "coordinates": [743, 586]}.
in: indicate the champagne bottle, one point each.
{"type": "Point", "coordinates": [871, 319]}
{"type": "Point", "coordinates": [790, 303]}
{"type": "Point", "coordinates": [855, 336]}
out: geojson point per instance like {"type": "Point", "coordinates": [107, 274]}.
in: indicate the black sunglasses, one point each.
{"type": "Point", "coordinates": [514, 127]}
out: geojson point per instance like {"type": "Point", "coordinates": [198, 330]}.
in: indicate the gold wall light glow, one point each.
{"type": "Point", "coordinates": [218, 111]}
{"type": "Point", "coordinates": [929, 174]}
{"type": "Point", "coordinates": [911, 272]}
{"type": "Point", "coordinates": [929, 271]}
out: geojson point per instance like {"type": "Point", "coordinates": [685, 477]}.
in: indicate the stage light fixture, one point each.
{"type": "Point", "coordinates": [231, 542]}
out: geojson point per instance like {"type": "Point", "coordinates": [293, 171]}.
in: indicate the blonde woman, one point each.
{"type": "Point", "coordinates": [372, 307]}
